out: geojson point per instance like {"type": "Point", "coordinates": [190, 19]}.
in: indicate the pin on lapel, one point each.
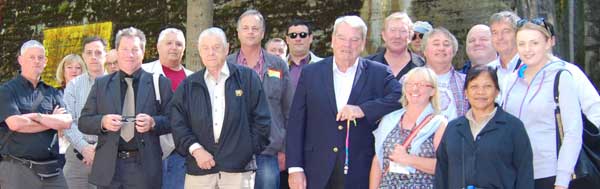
{"type": "Point", "coordinates": [239, 92]}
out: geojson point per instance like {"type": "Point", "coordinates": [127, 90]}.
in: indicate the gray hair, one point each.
{"type": "Point", "coordinates": [31, 44]}
{"type": "Point", "coordinates": [508, 16]}
{"type": "Point", "coordinates": [275, 40]}
{"type": "Point", "coordinates": [440, 30]}
{"type": "Point", "coordinates": [131, 32]}
{"type": "Point", "coordinates": [354, 22]}
{"type": "Point", "coordinates": [252, 12]}
{"type": "Point", "coordinates": [176, 31]}
{"type": "Point", "coordinates": [213, 31]}
{"type": "Point", "coordinates": [399, 16]}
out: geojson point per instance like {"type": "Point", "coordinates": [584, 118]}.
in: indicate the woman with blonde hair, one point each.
{"type": "Point", "coordinates": [69, 67]}
{"type": "Point", "coordinates": [406, 139]}
{"type": "Point", "coordinates": [529, 96]}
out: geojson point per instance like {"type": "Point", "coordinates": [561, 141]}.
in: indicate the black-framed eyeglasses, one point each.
{"type": "Point", "coordinates": [302, 35]}
{"type": "Point", "coordinates": [537, 21]}
{"type": "Point", "coordinates": [420, 35]}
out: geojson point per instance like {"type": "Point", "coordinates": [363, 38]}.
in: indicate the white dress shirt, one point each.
{"type": "Point", "coordinates": [342, 86]}
{"type": "Point", "coordinates": [216, 90]}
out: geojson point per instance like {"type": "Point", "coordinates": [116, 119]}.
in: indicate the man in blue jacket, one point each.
{"type": "Point", "coordinates": [220, 118]}
{"type": "Point", "coordinates": [329, 93]}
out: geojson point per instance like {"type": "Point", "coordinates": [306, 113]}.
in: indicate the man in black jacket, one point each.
{"type": "Point", "coordinates": [220, 118]}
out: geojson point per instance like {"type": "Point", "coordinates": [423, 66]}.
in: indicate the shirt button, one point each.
{"type": "Point", "coordinates": [340, 127]}
{"type": "Point", "coordinates": [335, 149]}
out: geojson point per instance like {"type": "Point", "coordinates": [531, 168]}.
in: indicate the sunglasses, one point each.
{"type": "Point", "coordinates": [302, 35]}
{"type": "Point", "coordinates": [420, 35]}
{"type": "Point", "coordinates": [537, 21]}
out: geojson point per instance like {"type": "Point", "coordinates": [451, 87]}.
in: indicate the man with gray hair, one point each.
{"type": "Point", "coordinates": [220, 118]}
{"type": "Point", "coordinates": [397, 31]}
{"type": "Point", "coordinates": [170, 46]}
{"type": "Point", "coordinates": [337, 102]}
{"type": "Point", "coordinates": [123, 111]}
{"type": "Point", "coordinates": [277, 85]}
{"type": "Point", "coordinates": [30, 117]}
{"type": "Point", "coordinates": [504, 32]}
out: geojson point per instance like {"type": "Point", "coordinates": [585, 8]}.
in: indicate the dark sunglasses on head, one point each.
{"type": "Point", "coordinates": [537, 21]}
{"type": "Point", "coordinates": [420, 35]}
{"type": "Point", "coordinates": [302, 35]}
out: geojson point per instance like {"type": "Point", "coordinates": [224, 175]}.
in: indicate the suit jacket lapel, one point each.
{"type": "Point", "coordinates": [328, 85]}
{"type": "Point", "coordinates": [143, 91]}
{"type": "Point", "coordinates": [114, 88]}
{"type": "Point", "coordinates": [465, 131]}
{"type": "Point", "coordinates": [359, 83]}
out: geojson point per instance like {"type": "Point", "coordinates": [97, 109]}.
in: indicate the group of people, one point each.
{"type": "Point", "coordinates": [272, 118]}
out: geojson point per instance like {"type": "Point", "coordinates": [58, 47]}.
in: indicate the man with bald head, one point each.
{"type": "Point", "coordinates": [220, 118]}
{"type": "Point", "coordinates": [479, 47]}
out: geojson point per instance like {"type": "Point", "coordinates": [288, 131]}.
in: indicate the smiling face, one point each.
{"type": "Point", "coordinates": [481, 92]}
{"type": "Point", "coordinates": [418, 90]}
{"type": "Point", "coordinates": [250, 31]}
{"type": "Point", "coordinates": [396, 35]}
{"type": "Point", "coordinates": [130, 54]}
{"type": "Point", "coordinates": [347, 43]}
{"type": "Point", "coordinates": [503, 36]}
{"type": "Point", "coordinates": [533, 47]}
{"type": "Point", "coordinates": [479, 45]}
{"type": "Point", "coordinates": [438, 50]}
{"type": "Point", "coordinates": [171, 47]}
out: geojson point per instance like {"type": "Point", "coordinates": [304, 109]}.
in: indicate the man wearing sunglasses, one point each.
{"type": "Point", "coordinates": [419, 28]}
{"type": "Point", "coordinates": [277, 86]}
{"type": "Point", "coordinates": [396, 33]}
{"type": "Point", "coordinates": [299, 38]}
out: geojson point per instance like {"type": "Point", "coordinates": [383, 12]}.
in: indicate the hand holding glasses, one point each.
{"type": "Point", "coordinates": [128, 119]}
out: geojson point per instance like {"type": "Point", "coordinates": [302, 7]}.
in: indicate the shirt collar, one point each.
{"type": "Point", "coordinates": [351, 69]}
{"type": "Point", "coordinates": [224, 73]}
{"type": "Point", "coordinates": [486, 118]}
{"type": "Point", "coordinates": [136, 75]}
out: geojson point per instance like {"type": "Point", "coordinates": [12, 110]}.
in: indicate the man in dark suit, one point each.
{"type": "Point", "coordinates": [121, 109]}
{"type": "Point", "coordinates": [329, 93]}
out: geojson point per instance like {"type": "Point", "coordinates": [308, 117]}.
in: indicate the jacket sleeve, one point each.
{"type": "Point", "coordinates": [572, 127]}
{"type": "Point", "coordinates": [286, 100]}
{"type": "Point", "coordinates": [90, 121]}
{"type": "Point", "coordinates": [259, 114]}
{"type": "Point", "coordinates": [183, 136]}
{"type": "Point", "coordinates": [162, 125]}
{"type": "Point", "coordinates": [296, 126]}
{"type": "Point", "coordinates": [441, 166]}
{"type": "Point", "coordinates": [522, 156]}
{"type": "Point", "coordinates": [377, 108]}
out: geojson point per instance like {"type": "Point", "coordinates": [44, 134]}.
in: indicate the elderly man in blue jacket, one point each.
{"type": "Point", "coordinates": [220, 118]}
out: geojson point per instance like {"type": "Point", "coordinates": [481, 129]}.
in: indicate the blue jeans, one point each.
{"type": "Point", "coordinates": [267, 174]}
{"type": "Point", "coordinates": [173, 172]}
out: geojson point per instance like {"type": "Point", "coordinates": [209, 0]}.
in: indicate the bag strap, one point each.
{"type": "Point", "coordinates": [416, 130]}
{"type": "Point", "coordinates": [557, 116]}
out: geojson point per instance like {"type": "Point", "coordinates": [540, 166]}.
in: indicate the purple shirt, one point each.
{"type": "Point", "coordinates": [295, 69]}
{"type": "Point", "coordinates": [258, 68]}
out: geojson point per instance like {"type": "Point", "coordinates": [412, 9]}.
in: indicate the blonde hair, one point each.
{"type": "Point", "coordinates": [60, 71]}
{"type": "Point", "coordinates": [532, 26]}
{"type": "Point", "coordinates": [430, 78]}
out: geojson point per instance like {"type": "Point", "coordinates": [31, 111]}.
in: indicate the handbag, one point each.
{"type": "Point", "coordinates": [586, 173]}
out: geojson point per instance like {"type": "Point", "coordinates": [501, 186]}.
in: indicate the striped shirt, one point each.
{"type": "Point", "coordinates": [75, 96]}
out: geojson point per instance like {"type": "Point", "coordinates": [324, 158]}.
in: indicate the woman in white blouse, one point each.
{"type": "Point", "coordinates": [529, 96]}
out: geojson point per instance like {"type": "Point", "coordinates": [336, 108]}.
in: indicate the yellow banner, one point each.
{"type": "Point", "coordinates": [62, 41]}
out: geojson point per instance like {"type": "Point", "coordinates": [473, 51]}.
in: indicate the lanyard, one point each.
{"type": "Point", "coordinates": [347, 159]}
